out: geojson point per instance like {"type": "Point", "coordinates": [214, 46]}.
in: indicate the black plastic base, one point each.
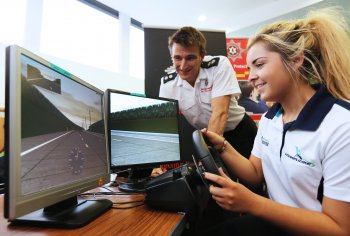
{"type": "Point", "coordinates": [73, 217]}
{"type": "Point", "coordinates": [178, 191]}
{"type": "Point", "coordinates": [135, 186]}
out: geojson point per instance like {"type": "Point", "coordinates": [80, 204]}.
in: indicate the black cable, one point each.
{"type": "Point", "coordinates": [107, 193]}
{"type": "Point", "coordinates": [107, 189]}
{"type": "Point", "coordinates": [111, 192]}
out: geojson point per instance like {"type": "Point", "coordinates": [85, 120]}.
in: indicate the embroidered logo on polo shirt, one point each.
{"type": "Point", "coordinates": [298, 157]}
{"type": "Point", "coordinates": [264, 141]}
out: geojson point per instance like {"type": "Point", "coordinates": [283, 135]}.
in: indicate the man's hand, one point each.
{"type": "Point", "coordinates": [157, 171]}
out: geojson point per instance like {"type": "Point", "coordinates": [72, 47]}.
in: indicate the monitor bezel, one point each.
{"type": "Point", "coordinates": [116, 168]}
{"type": "Point", "coordinates": [15, 204]}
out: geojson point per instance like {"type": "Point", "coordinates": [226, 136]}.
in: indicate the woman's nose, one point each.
{"type": "Point", "coordinates": [252, 77]}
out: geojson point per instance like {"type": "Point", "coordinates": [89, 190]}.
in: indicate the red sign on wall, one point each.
{"type": "Point", "coordinates": [236, 53]}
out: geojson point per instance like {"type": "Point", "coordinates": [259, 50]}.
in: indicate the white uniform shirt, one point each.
{"type": "Point", "coordinates": [296, 156]}
{"type": "Point", "coordinates": [215, 79]}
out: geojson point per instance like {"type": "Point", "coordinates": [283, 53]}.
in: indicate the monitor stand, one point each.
{"type": "Point", "coordinates": [69, 213]}
{"type": "Point", "coordinates": [136, 181]}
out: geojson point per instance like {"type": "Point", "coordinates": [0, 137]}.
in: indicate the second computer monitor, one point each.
{"type": "Point", "coordinates": [143, 131]}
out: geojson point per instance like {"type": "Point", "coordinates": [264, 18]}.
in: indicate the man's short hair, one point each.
{"type": "Point", "coordinates": [246, 88]}
{"type": "Point", "coordinates": [187, 37]}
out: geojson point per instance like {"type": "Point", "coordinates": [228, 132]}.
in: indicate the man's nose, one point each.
{"type": "Point", "coordinates": [183, 64]}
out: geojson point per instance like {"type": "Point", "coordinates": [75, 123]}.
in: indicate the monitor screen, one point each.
{"type": "Point", "coordinates": [143, 130]}
{"type": "Point", "coordinates": [55, 143]}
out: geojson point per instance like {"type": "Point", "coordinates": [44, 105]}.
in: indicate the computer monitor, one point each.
{"type": "Point", "coordinates": [143, 132]}
{"type": "Point", "coordinates": [55, 145]}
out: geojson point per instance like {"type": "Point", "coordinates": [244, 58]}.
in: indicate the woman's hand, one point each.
{"type": "Point", "coordinates": [232, 196]}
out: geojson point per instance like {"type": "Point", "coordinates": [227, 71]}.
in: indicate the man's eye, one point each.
{"type": "Point", "coordinates": [191, 58]}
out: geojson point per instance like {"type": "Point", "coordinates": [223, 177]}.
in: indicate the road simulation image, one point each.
{"type": "Point", "coordinates": [140, 147]}
{"type": "Point", "coordinates": [62, 129]}
{"type": "Point", "coordinates": [142, 130]}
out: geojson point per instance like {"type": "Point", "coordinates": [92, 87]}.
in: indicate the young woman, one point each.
{"type": "Point", "coordinates": [302, 149]}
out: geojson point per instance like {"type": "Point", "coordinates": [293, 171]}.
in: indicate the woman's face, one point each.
{"type": "Point", "coordinates": [268, 74]}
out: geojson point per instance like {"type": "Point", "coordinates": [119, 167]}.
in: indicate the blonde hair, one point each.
{"type": "Point", "coordinates": [323, 40]}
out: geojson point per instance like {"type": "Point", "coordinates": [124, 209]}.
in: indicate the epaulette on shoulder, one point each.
{"type": "Point", "coordinates": [169, 77]}
{"type": "Point", "coordinates": [211, 63]}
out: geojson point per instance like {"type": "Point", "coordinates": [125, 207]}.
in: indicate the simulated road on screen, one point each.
{"type": "Point", "coordinates": [53, 159]}
{"type": "Point", "coordinates": [142, 147]}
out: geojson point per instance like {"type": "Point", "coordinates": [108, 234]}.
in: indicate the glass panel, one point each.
{"type": "Point", "coordinates": [137, 53]}
{"type": "Point", "coordinates": [75, 31]}
{"type": "Point", "coordinates": [12, 20]}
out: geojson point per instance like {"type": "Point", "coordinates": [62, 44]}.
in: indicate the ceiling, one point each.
{"type": "Point", "coordinates": [226, 15]}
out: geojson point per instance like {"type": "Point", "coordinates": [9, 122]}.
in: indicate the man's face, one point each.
{"type": "Point", "coordinates": [187, 61]}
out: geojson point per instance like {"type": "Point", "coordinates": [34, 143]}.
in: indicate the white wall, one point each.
{"type": "Point", "coordinates": [100, 78]}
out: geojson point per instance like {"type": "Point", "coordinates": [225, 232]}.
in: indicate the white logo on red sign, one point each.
{"type": "Point", "coordinates": [234, 50]}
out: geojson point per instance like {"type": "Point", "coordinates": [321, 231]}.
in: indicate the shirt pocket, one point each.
{"type": "Point", "coordinates": [205, 97]}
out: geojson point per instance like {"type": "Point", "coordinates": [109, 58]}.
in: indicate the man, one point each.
{"type": "Point", "coordinates": [247, 102]}
{"type": "Point", "coordinates": [205, 87]}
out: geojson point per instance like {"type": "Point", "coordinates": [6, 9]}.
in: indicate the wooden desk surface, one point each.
{"type": "Point", "coordinates": [134, 221]}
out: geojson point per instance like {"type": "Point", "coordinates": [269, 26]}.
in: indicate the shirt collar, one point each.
{"type": "Point", "coordinates": [312, 114]}
{"type": "Point", "coordinates": [179, 82]}
{"type": "Point", "coordinates": [201, 75]}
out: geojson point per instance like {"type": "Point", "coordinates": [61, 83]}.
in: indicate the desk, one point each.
{"type": "Point", "coordinates": [134, 221]}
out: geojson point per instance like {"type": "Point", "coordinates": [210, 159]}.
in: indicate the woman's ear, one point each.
{"type": "Point", "coordinates": [298, 61]}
